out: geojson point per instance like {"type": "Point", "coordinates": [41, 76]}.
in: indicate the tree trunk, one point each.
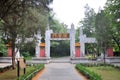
{"type": "Point", "coordinates": [104, 55]}
{"type": "Point", "coordinates": [13, 54]}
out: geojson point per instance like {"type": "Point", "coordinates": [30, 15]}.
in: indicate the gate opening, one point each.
{"type": "Point", "coordinates": [60, 48]}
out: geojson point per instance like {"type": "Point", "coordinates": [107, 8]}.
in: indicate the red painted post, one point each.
{"type": "Point", "coordinates": [110, 52]}
{"type": "Point", "coordinates": [42, 49]}
{"type": "Point", "coordinates": [77, 49]}
{"type": "Point", "coordinates": [42, 52]}
{"type": "Point", "coordinates": [9, 51]}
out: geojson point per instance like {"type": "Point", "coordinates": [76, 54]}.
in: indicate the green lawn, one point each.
{"type": "Point", "coordinates": [12, 74]}
{"type": "Point", "coordinates": [9, 75]}
{"type": "Point", "coordinates": [106, 72]}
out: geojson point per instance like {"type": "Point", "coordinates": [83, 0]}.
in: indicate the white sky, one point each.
{"type": "Point", "coordinates": [72, 11]}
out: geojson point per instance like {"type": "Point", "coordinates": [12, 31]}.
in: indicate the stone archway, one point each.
{"type": "Point", "coordinates": [83, 40]}
{"type": "Point", "coordinates": [49, 35]}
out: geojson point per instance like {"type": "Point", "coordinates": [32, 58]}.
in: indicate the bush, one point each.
{"type": "Point", "coordinates": [89, 74]}
{"type": "Point", "coordinates": [25, 54]}
{"type": "Point", "coordinates": [32, 72]}
{"type": "Point", "coordinates": [3, 48]}
{"type": "Point", "coordinates": [100, 64]}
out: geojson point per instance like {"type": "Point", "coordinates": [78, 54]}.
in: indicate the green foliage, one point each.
{"type": "Point", "coordinates": [25, 54]}
{"type": "Point", "coordinates": [60, 48]}
{"type": "Point", "coordinates": [88, 26]}
{"type": "Point", "coordinates": [91, 56]}
{"type": "Point", "coordinates": [23, 18]}
{"type": "Point", "coordinates": [103, 32]}
{"type": "Point", "coordinates": [28, 49]}
{"type": "Point", "coordinates": [1, 22]}
{"type": "Point", "coordinates": [77, 35]}
{"type": "Point", "coordinates": [105, 70]}
{"type": "Point", "coordinates": [95, 64]}
{"type": "Point", "coordinates": [31, 72]}
{"type": "Point", "coordinates": [58, 27]}
{"type": "Point", "coordinates": [112, 11]}
{"type": "Point", "coordinates": [87, 23]}
{"type": "Point", "coordinates": [97, 25]}
{"type": "Point", "coordinates": [3, 48]}
{"type": "Point", "coordinates": [89, 74]}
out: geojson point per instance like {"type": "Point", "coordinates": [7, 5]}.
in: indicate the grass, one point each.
{"type": "Point", "coordinates": [9, 75]}
{"type": "Point", "coordinates": [12, 74]}
{"type": "Point", "coordinates": [106, 72]}
{"type": "Point", "coordinates": [28, 58]}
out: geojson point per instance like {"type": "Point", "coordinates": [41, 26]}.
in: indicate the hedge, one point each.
{"type": "Point", "coordinates": [89, 74]}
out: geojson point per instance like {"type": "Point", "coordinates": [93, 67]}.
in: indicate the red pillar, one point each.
{"type": "Point", "coordinates": [77, 49]}
{"type": "Point", "coordinates": [9, 51]}
{"type": "Point", "coordinates": [42, 49]}
{"type": "Point", "coordinates": [110, 52]}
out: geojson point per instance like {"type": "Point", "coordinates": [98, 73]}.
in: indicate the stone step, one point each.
{"type": "Point", "coordinates": [60, 61]}
{"type": "Point", "coordinates": [37, 62]}
{"type": "Point", "coordinates": [5, 59]}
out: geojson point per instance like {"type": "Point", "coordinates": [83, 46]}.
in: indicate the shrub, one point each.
{"type": "Point", "coordinates": [25, 54]}
{"type": "Point", "coordinates": [89, 74]}
{"type": "Point", "coordinates": [3, 48]}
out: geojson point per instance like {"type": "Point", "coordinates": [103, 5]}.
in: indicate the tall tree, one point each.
{"type": "Point", "coordinates": [88, 22]}
{"type": "Point", "coordinates": [88, 26]}
{"type": "Point", "coordinates": [56, 26]}
{"type": "Point", "coordinates": [103, 32]}
{"type": "Point", "coordinates": [58, 48]}
{"type": "Point", "coordinates": [22, 18]}
{"type": "Point", "coordinates": [112, 9]}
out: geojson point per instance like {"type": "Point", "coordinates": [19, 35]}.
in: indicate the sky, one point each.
{"type": "Point", "coordinates": [72, 11]}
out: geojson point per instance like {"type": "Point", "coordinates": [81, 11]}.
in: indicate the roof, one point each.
{"type": "Point", "coordinates": [9, 44]}
{"type": "Point", "coordinates": [42, 44]}
{"type": "Point", "coordinates": [77, 44]}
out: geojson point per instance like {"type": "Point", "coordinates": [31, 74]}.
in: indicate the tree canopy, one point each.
{"type": "Point", "coordinates": [112, 10]}
{"type": "Point", "coordinates": [59, 48]}
{"type": "Point", "coordinates": [104, 24]}
{"type": "Point", "coordinates": [22, 18]}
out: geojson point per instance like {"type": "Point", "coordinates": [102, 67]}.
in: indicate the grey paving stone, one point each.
{"type": "Point", "coordinates": [60, 71]}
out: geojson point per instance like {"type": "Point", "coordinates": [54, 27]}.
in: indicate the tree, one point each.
{"type": "Point", "coordinates": [112, 10]}
{"type": "Point", "coordinates": [103, 32]}
{"type": "Point", "coordinates": [58, 48]}
{"type": "Point", "coordinates": [22, 18]}
{"type": "Point", "coordinates": [88, 22]}
{"type": "Point", "coordinates": [77, 34]}
{"type": "Point", "coordinates": [88, 26]}
{"type": "Point", "coordinates": [56, 26]}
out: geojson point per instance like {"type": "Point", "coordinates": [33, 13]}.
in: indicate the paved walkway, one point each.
{"type": "Point", "coordinates": [60, 71]}
{"type": "Point", "coordinates": [3, 65]}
